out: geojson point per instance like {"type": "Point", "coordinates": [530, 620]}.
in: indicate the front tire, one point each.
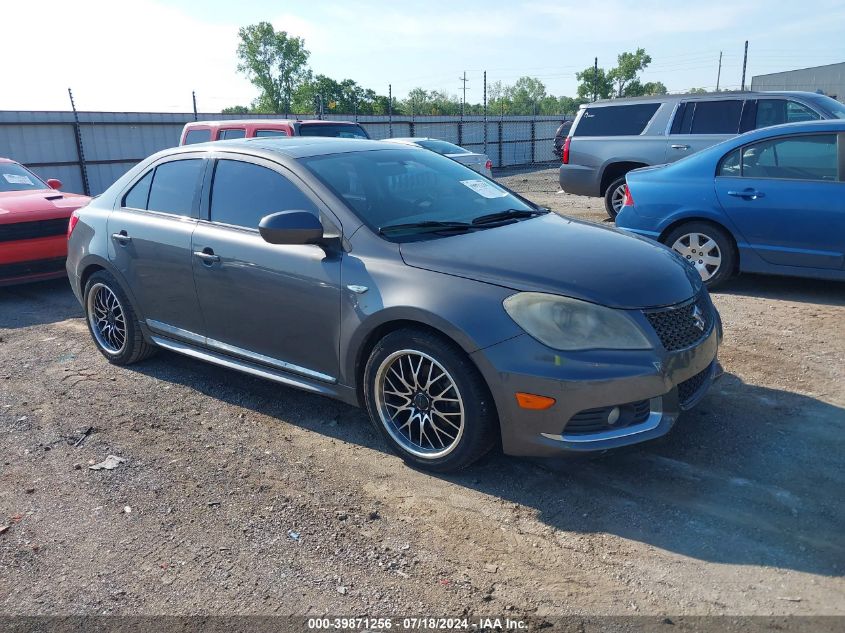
{"type": "Point", "coordinates": [429, 401]}
{"type": "Point", "coordinates": [614, 197]}
{"type": "Point", "coordinates": [112, 321]}
{"type": "Point", "coordinates": [707, 247]}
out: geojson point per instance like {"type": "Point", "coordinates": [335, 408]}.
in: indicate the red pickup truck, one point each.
{"type": "Point", "coordinates": [204, 131]}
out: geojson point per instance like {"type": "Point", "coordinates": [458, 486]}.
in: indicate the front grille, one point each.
{"type": "Point", "coordinates": [36, 267]}
{"type": "Point", "coordinates": [683, 325]}
{"type": "Point", "coordinates": [689, 388]}
{"type": "Point", "coordinates": [33, 230]}
{"type": "Point", "coordinates": [595, 420]}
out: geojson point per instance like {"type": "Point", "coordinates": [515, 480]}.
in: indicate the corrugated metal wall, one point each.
{"type": "Point", "coordinates": [829, 79]}
{"type": "Point", "coordinates": [112, 142]}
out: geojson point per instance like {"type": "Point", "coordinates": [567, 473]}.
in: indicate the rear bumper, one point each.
{"type": "Point", "coordinates": [580, 180]}
{"type": "Point", "coordinates": [665, 383]}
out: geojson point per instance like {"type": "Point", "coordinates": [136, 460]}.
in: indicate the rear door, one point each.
{"type": "Point", "coordinates": [700, 124]}
{"type": "Point", "coordinates": [274, 304]}
{"type": "Point", "coordinates": [150, 244]}
{"type": "Point", "coordinates": [787, 198]}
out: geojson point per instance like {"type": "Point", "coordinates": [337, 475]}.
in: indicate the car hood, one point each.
{"type": "Point", "coordinates": [563, 256]}
{"type": "Point", "coordinates": [41, 204]}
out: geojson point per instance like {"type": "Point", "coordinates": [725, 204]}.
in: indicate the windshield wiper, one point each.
{"type": "Point", "coordinates": [427, 225]}
{"type": "Point", "coordinates": [508, 214]}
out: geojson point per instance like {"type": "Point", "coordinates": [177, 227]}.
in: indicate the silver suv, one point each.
{"type": "Point", "coordinates": [610, 138]}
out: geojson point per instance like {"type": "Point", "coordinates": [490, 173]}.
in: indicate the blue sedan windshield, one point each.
{"type": "Point", "coordinates": [389, 187]}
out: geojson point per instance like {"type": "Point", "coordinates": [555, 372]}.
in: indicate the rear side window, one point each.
{"type": "Point", "coordinates": [777, 111]}
{"type": "Point", "coordinates": [811, 157]}
{"type": "Point", "coordinates": [174, 187]}
{"type": "Point", "coordinates": [622, 120]}
{"type": "Point", "coordinates": [327, 129]}
{"type": "Point", "coordinates": [243, 193]}
{"type": "Point", "coordinates": [716, 117]}
{"type": "Point", "coordinates": [197, 136]}
{"type": "Point", "coordinates": [232, 133]}
{"type": "Point", "coordinates": [140, 192]}
{"type": "Point", "coordinates": [730, 165]}
{"type": "Point", "coordinates": [260, 133]}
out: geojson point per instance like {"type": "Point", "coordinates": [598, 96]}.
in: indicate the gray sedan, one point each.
{"type": "Point", "coordinates": [459, 314]}
{"type": "Point", "coordinates": [474, 160]}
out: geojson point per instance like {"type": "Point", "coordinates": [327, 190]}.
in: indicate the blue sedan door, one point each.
{"type": "Point", "coordinates": [786, 197]}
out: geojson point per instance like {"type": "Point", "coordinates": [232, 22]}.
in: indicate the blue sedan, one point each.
{"type": "Point", "coordinates": [771, 201]}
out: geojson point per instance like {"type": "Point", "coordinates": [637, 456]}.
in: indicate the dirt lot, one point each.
{"type": "Point", "coordinates": [241, 496]}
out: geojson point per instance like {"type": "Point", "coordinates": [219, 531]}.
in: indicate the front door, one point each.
{"type": "Point", "coordinates": [278, 305]}
{"type": "Point", "coordinates": [150, 245]}
{"type": "Point", "coordinates": [785, 197]}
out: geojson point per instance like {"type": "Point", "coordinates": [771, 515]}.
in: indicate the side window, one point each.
{"type": "Point", "coordinates": [232, 133]}
{"type": "Point", "coordinates": [797, 112]}
{"type": "Point", "coordinates": [259, 133]}
{"type": "Point", "coordinates": [716, 117]}
{"type": "Point", "coordinates": [812, 157]}
{"type": "Point", "coordinates": [137, 196]}
{"type": "Point", "coordinates": [243, 193]}
{"type": "Point", "coordinates": [623, 120]}
{"type": "Point", "coordinates": [730, 165]}
{"type": "Point", "coordinates": [770, 112]}
{"type": "Point", "coordinates": [174, 187]}
{"type": "Point", "coordinates": [197, 136]}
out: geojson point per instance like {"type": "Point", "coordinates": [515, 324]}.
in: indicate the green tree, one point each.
{"type": "Point", "coordinates": [594, 81]}
{"type": "Point", "coordinates": [637, 89]}
{"type": "Point", "coordinates": [628, 67]}
{"type": "Point", "coordinates": [697, 91]}
{"type": "Point", "coordinates": [274, 62]}
{"type": "Point", "coordinates": [238, 109]}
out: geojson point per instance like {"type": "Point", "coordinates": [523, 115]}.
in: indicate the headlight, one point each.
{"type": "Point", "coordinates": [570, 325]}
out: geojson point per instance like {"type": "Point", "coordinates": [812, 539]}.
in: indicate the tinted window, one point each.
{"type": "Point", "coordinates": [174, 186]}
{"type": "Point", "coordinates": [197, 136]}
{"type": "Point", "coordinates": [244, 193]}
{"type": "Point", "coordinates": [232, 133]}
{"type": "Point", "coordinates": [716, 117]}
{"type": "Point", "coordinates": [137, 196]}
{"type": "Point", "coordinates": [799, 158]}
{"type": "Point", "coordinates": [623, 120]}
{"type": "Point", "coordinates": [259, 133]}
{"type": "Point", "coordinates": [777, 111]}
{"type": "Point", "coordinates": [327, 129]}
{"type": "Point", "coordinates": [442, 147]}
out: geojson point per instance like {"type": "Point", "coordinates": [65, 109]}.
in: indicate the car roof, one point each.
{"type": "Point", "coordinates": [259, 121]}
{"type": "Point", "coordinates": [704, 95]}
{"type": "Point", "coordinates": [290, 146]}
{"type": "Point", "coordinates": [7, 160]}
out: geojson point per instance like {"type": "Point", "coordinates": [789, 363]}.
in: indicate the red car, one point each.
{"type": "Point", "coordinates": [34, 219]}
{"type": "Point", "coordinates": [204, 131]}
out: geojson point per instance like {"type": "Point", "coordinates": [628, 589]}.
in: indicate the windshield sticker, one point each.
{"type": "Point", "coordinates": [15, 179]}
{"type": "Point", "coordinates": [484, 188]}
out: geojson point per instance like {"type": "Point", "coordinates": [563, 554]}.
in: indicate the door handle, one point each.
{"type": "Point", "coordinates": [207, 256]}
{"type": "Point", "coordinates": [121, 237]}
{"type": "Point", "coordinates": [679, 146]}
{"type": "Point", "coordinates": [747, 194]}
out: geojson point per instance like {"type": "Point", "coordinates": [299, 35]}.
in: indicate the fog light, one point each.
{"type": "Point", "coordinates": [613, 416]}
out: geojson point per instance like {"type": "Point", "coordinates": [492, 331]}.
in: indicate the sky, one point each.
{"type": "Point", "coordinates": [149, 55]}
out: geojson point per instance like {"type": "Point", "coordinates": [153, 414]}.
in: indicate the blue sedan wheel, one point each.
{"type": "Point", "coordinates": [707, 248]}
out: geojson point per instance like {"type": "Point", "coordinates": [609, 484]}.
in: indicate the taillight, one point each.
{"type": "Point", "coordinates": [488, 164]}
{"type": "Point", "coordinates": [629, 200]}
{"type": "Point", "coordinates": [564, 155]}
{"type": "Point", "coordinates": [74, 218]}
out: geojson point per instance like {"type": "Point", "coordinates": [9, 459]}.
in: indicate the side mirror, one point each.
{"type": "Point", "coordinates": [291, 227]}
{"type": "Point", "coordinates": [54, 183]}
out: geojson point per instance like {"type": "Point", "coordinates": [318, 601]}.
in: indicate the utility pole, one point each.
{"type": "Point", "coordinates": [719, 74]}
{"type": "Point", "coordinates": [485, 111]}
{"type": "Point", "coordinates": [194, 97]}
{"type": "Point", "coordinates": [86, 188]}
{"type": "Point", "coordinates": [744, 62]}
{"type": "Point", "coordinates": [595, 78]}
{"type": "Point", "coordinates": [390, 109]}
{"type": "Point", "coordinates": [463, 102]}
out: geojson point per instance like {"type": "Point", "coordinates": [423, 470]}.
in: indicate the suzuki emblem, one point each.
{"type": "Point", "coordinates": [698, 318]}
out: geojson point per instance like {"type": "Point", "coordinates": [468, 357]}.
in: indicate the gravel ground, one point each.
{"type": "Point", "coordinates": [240, 496]}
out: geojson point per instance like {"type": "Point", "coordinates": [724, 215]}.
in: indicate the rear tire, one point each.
{"type": "Point", "coordinates": [112, 321]}
{"type": "Point", "coordinates": [429, 401]}
{"type": "Point", "coordinates": [614, 197]}
{"type": "Point", "coordinates": [707, 247]}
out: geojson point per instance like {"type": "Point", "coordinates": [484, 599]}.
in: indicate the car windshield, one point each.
{"type": "Point", "coordinates": [14, 177]}
{"type": "Point", "coordinates": [441, 147]}
{"type": "Point", "coordinates": [387, 188]}
{"type": "Point", "coordinates": [833, 106]}
{"type": "Point", "coordinates": [328, 129]}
